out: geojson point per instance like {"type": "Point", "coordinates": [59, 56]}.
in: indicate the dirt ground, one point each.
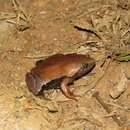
{"type": "Point", "coordinates": [35, 29]}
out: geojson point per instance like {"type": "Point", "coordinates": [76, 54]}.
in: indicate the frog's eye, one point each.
{"type": "Point", "coordinates": [34, 83]}
{"type": "Point", "coordinates": [39, 62]}
{"type": "Point", "coordinates": [88, 67]}
{"type": "Point", "coordinates": [84, 66]}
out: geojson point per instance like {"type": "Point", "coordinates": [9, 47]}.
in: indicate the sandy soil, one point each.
{"type": "Point", "coordinates": [34, 29]}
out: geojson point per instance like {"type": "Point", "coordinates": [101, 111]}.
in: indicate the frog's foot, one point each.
{"type": "Point", "coordinates": [66, 90]}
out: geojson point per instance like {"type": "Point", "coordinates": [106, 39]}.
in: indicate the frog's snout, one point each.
{"type": "Point", "coordinates": [34, 83]}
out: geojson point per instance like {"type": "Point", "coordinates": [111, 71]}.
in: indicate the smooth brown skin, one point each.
{"type": "Point", "coordinates": [66, 67]}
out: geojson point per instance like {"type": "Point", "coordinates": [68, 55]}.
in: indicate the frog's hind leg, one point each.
{"type": "Point", "coordinates": [66, 90]}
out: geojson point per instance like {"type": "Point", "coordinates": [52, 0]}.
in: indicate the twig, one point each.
{"type": "Point", "coordinates": [105, 106]}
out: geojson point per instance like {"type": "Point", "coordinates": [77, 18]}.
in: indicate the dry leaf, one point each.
{"type": "Point", "coordinates": [118, 89]}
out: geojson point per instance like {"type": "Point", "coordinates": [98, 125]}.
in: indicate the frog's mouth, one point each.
{"type": "Point", "coordinates": [34, 83]}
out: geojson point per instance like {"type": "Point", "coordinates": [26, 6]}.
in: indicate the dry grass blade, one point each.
{"type": "Point", "coordinates": [125, 32]}
{"type": "Point", "coordinates": [88, 27]}
{"type": "Point", "coordinates": [21, 16]}
{"type": "Point", "coordinates": [15, 3]}
{"type": "Point", "coordinates": [7, 15]}
{"type": "Point", "coordinates": [18, 8]}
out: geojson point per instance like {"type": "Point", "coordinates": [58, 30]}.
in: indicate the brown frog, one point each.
{"type": "Point", "coordinates": [58, 71]}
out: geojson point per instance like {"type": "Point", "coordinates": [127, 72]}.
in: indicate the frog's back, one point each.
{"type": "Point", "coordinates": [58, 59]}
{"type": "Point", "coordinates": [60, 65]}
